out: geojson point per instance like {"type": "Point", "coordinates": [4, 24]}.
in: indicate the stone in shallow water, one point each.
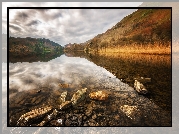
{"type": "Point", "coordinates": [63, 96]}
{"type": "Point", "coordinates": [79, 96]}
{"type": "Point", "coordinates": [65, 105]}
{"type": "Point", "coordinates": [65, 85]}
{"type": "Point", "coordinates": [131, 111]}
{"type": "Point", "coordinates": [33, 115]}
{"type": "Point", "coordinates": [99, 95]}
{"type": "Point", "coordinates": [140, 88]}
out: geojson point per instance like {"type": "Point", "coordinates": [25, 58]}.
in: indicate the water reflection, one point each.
{"type": "Point", "coordinates": [71, 70]}
{"type": "Point", "coordinates": [96, 73]}
{"type": "Point", "coordinates": [127, 67]}
{"type": "Point", "coordinates": [34, 58]}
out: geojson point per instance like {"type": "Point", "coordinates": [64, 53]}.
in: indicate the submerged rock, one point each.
{"type": "Point", "coordinates": [143, 79]}
{"type": "Point", "coordinates": [33, 115]}
{"type": "Point", "coordinates": [65, 105]}
{"type": "Point", "coordinates": [79, 96]}
{"type": "Point", "coordinates": [65, 85]}
{"type": "Point", "coordinates": [131, 111]}
{"type": "Point", "coordinates": [99, 95]}
{"type": "Point", "coordinates": [63, 96]}
{"type": "Point", "coordinates": [139, 87]}
{"type": "Point", "coordinates": [39, 91]}
{"type": "Point", "coordinates": [49, 111]}
{"type": "Point", "coordinates": [48, 118]}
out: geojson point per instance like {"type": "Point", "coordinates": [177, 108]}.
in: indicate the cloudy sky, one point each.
{"type": "Point", "coordinates": [63, 25]}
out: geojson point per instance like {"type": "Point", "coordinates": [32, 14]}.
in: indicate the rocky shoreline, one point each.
{"type": "Point", "coordinates": [119, 108]}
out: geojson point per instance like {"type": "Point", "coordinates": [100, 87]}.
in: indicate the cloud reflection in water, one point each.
{"type": "Point", "coordinates": [75, 71]}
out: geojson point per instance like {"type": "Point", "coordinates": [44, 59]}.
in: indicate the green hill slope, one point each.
{"type": "Point", "coordinates": [28, 46]}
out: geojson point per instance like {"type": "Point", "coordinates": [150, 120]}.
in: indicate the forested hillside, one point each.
{"type": "Point", "coordinates": [27, 46]}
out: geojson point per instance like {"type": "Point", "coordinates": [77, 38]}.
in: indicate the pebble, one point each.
{"type": "Point", "coordinates": [67, 122]}
{"type": "Point", "coordinates": [60, 121]}
{"type": "Point", "coordinates": [88, 113]}
{"type": "Point", "coordinates": [94, 117]}
{"type": "Point", "coordinates": [84, 117]}
{"type": "Point", "coordinates": [38, 91]}
{"type": "Point", "coordinates": [99, 95]}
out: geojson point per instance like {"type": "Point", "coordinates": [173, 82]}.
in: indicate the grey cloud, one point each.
{"type": "Point", "coordinates": [67, 25]}
{"type": "Point", "coordinates": [33, 22]}
{"type": "Point", "coordinates": [58, 39]}
{"type": "Point", "coordinates": [78, 31]}
{"type": "Point", "coordinates": [52, 32]}
{"type": "Point", "coordinates": [22, 16]}
{"type": "Point", "coordinates": [14, 27]}
{"type": "Point", "coordinates": [57, 15]}
{"type": "Point", "coordinates": [46, 16]}
{"type": "Point", "coordinates": [42, 10]}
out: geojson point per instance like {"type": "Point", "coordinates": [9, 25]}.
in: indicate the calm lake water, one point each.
{"type": "Point", "coordinates": [112, 73]}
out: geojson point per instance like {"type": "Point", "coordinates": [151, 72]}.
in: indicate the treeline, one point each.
{"type": "Point", "coordinates": [28, 45]}
{"type": "Point", "coordinates": [74, 47]}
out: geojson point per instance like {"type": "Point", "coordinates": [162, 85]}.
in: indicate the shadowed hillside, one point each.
{"type": "Point", "coordinates": [32, 49]}
{"type": "Point", "coordinates": [32, 45]}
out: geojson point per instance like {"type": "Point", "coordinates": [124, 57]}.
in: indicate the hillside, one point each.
{"type": "Point", "coordinates": [28, 46]}
{"type": "Point", "coordinates": [175, 20]}
{"type": "Point", "coordinates": [143, 29]}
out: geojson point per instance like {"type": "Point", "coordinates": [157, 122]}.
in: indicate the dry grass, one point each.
{"type": "Point", "coordinates": [146, 59]}
{"type": "Point", "coordinates": [149, 49]}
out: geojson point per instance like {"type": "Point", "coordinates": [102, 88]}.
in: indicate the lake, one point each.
{"type": "Point", "coordinates": [34, 85]}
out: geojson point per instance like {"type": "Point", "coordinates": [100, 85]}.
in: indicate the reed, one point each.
{"type": "Point", "coordinates": [141, 49]}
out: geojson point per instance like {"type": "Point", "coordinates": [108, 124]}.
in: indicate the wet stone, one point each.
{"type": "Point", "coordinates": [74, 123]}
{"type": "Point", "coordinates": [89, 113]}
{"type": "Point", "coordinates": [58, 122]}
{"type": "Point", "coordinates": [99, 95]}
{"type": "Point", "coordinates": [84, 117]}
{"type": "Point", "coordinates": [65, 105]}
{"type": "Point", "coordinates": [79, 96]}
{"type": "Point", "coordinates": [94, 117]}
{"type": "Point", "coordinates": [63, 96]}
{"type": "Point", "coordinates": [130, 101]}
{"type": "Point", "coordinates": [39, 91]}
{"type": "Point", "coordinates": [133, 95]}
{"type": "Point", "coordinates": [116, 117]}
{"type": "Point", "coordinates": [67, 122]}
{"type": "Point", "coordinates": [92, 122]}
{"type": "Point", "coordinates": [132, 112]}
{"type": "Point", "coordinates": [73, 118]}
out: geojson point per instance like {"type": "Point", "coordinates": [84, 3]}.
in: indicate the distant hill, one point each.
{"type": "Point", "coordinates": [28, 46]}
{"type": "Point", "coordinates": [143, 28]}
